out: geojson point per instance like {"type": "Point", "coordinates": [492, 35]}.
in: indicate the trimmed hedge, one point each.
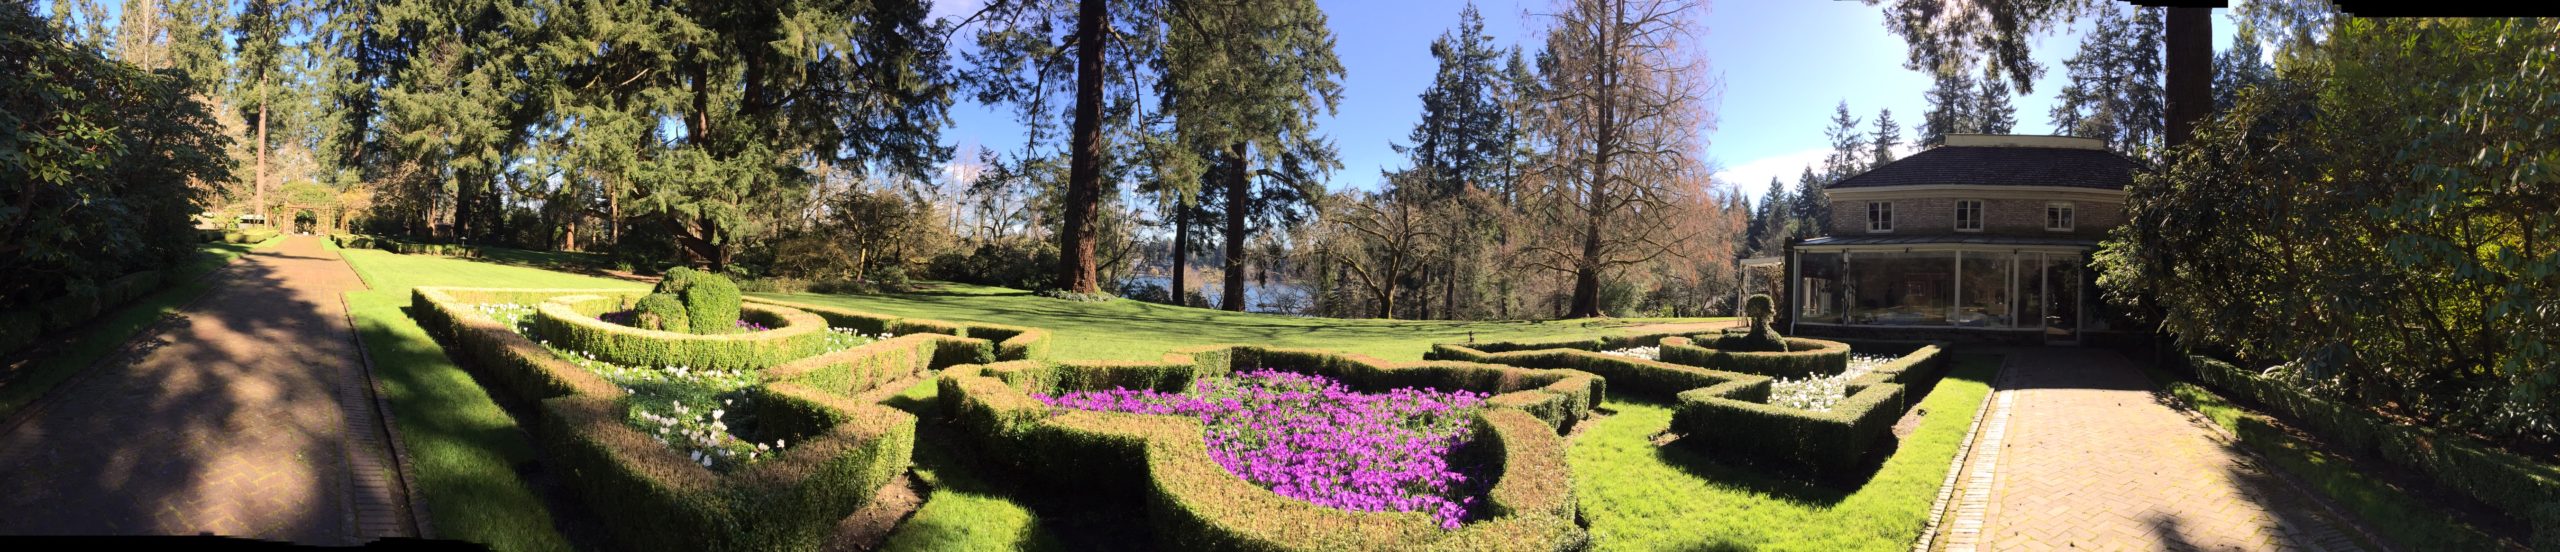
{"type": "Point", "coordinates": [19, 329]}
{"type": "Point", "coordinates": [1728, 411]}
{"type": "Point", "coordinates": [795, 334]}
{"type": "Point", "coordinates": [1193, 503]}
{"type": "Point", "coordinates": [710, 300]}
{"type": "Point", "coordinates": [1002, 342]}
{"type": "Point", "coordinates": [844, 445]}
{"type": "Point", "coordinates": [1803, 358]}
{"type": "Point", "coordinates": [660, 311]}
{"type": "Point", "coordinates": [2504, 480]}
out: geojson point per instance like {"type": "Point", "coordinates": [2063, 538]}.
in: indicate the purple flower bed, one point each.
{"type": "Point", "coordinates": [1314, 439]}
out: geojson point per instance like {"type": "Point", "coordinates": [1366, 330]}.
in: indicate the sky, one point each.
{"type": "Point", "coordinates": [1782, 67]}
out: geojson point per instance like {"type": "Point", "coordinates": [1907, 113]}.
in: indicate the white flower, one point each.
{"type": "Point", "coordinates": [706, 462]}
{"type": "Point", "coordinates": [715, 413]}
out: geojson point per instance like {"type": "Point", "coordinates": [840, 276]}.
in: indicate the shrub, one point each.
{"type": "Point", "coordinates": [1194, 503]}
{"type": "Point", "coordinates": [576, 328]}
{"type": "Point", "coordinates": [74, 307]}
{"type": "Point", "coordinates": [710, 300]}
{"type": "Point", "coordinates": [19, 329]}
{"type": "Point", "coordinates": [1803, 357]}
{"type": "Point", "coordinates": [2504, 480]}
{"type": "Point", "coordinates": [660, 311]}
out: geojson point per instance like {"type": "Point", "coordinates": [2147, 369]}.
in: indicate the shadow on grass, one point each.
{"type": "Point", "coordinates": [956, 466]}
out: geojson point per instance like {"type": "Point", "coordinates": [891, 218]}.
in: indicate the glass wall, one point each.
{"type": "Point", "coordinates": [2062, 296]}
{"type": "Point", "coordinates": [1901, 288]}
{"type": "Point", "coordinates": [1818, 275]}
{"type": "Point", "coordinates": [1984, 301]}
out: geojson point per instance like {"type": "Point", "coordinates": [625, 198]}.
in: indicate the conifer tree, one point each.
{"type": "Point", "coordinates": [257, 66]}
{"type": "Point", "coordinates": [1248, 81]}
{"type": "Point", "coordinates": [1992, 113]}
{"type": "Point", "coordinates": [1888, 137]}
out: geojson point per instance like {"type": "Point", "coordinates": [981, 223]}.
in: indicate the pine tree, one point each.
{"type": "Point", "coordinates": [1992, 113]}
{"type": "Point", "coordinates": [1776, 220]}
{"type": "Point", "coordinates": [1888, 137]}
{"type": "Point", "coordinates": [1849, 146]}
{"type": "Point", "coordinates": [1811, 212]}
{"type": "Point", "coordinates": [1248, 81]}
{"type": "Point", "coordinates": [1952, 108]}
{"type": "Point", "coordinates": [2115, 93]}
{"type": "Point", "coordinates": [2242, 66]}
{"type": "Point", "coordinates": [258, 34]}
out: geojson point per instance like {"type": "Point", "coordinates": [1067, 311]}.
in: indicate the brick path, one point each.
{"type": "Point", "coordinates": [2079, 453]}
{"type": "Point", "coordinates": [248, 418]}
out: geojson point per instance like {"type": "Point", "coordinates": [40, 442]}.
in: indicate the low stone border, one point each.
{"type": "Point", "coordinates": [1967, 535]}
{"type": "Point", "coordinates": [1955, 469]}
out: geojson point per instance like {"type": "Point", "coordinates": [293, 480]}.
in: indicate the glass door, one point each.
{"type": "Point", "coordinates": [2061, 298]}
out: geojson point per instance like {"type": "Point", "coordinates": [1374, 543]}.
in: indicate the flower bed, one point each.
{"type": "Point", "coordinates": [1312, 438]}
{"type": "Point", "coordinates": [1740, 415]}
{"type": "Point", "coordinates": [692, 458]}
{"type": "Point", "coordinates": [1188, 470]}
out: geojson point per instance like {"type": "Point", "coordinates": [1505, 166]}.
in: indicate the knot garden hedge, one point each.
{"type": "Point", "coordinates": [1721, 399]}
{"type": "Point", "coordinates": [1192, 502]}
{"type": "Point", "coordinates": [843, 444]}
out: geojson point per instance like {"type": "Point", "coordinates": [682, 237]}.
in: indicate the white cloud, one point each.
{"type": "Point", "coordinates": [954, 9]}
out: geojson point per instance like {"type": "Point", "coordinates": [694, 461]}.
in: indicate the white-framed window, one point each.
{"type": "Point", "coordinates": [1968, 215]}
{"type": "Point", "coordinates": [1879, 216]}
{"type": "Point", "coordinates": [2057, 216]}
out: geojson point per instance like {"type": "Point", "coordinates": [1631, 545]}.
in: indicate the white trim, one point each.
{"type": "Point", "coordinates": [1936, 191]}
{"type": "Point", "coordinates": [2070, 216]}
{"type": "Point", "coordinates": [1884, 215]}
{"type": "Point", "coordinates": [1979, 206]}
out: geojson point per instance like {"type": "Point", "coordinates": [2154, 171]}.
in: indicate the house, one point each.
{"type": "Point", "coordinates": [1983, 238]}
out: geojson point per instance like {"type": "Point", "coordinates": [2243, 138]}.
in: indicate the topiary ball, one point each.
{"type": "Point", "coordinates": [712, 304]}
{"type": "Point", "coordinates": [1759, 305]}
{"type": "Point", "coordinates": [660, 311]}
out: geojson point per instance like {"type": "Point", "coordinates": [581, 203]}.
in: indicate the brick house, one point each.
{"type": "Point", "coordinates": [1984, 238]}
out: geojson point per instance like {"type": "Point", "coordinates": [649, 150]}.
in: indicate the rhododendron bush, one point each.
{"type": "Point", "coordinates": [1315, 439]}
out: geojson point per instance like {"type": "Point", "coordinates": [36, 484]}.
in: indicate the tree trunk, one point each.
{"type": "Point", "coordinates": [1181, 250]}
{"type": "Point", "coordinates": [1586, 273]}
{"type": "Point", "coordinates": [1084, 168]}
{"type": "Point", "coordinates": [258, 180]}
{"type": "Point", "coordinates": [1231, 291]}
{"type": "Point", "coordinates": [2189, 35]}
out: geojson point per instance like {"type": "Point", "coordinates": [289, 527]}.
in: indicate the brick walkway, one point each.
{"type": "Point", "coordinates": [246, 418]}
{"type": "Point", "coordinates": [2079, 453]}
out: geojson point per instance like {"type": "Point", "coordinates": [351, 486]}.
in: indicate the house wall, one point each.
{"type": "Point", "coordinates": [2013, 217]}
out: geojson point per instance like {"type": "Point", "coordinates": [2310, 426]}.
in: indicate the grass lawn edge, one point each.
{"type": "Point", "coordinates": [106, 335]}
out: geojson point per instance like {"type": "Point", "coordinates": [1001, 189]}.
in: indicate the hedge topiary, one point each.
{"type": "Point", "coordinates": [1192, 503]}
{"type": "Point", "coordinates": [1802, 357]}
{"type": "Point", "coordinates": [710, 300]}
{"type": "Point", "coordinates": [662, 312]}
{"type": "Point", "coordinates": [1761, 338]}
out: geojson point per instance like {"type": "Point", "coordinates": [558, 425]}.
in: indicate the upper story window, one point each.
{"type": "Point", "coordinates": [1879, 216]}
{"type": "Point", "coordinates": [2057, 216]}
{"type": "Point", "coordinates": [1968, 215]}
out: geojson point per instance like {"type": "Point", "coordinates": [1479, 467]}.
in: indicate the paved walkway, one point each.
{"type": "Point", "coordinates": [243, 419]}
{"type": "Point", "coordinates": [2080, 454]}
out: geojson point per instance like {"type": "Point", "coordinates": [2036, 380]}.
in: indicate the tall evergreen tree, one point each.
{"type": "Point", "coordinates": [1810, 214]}
{"type": "Point", "coordinates": [1029, 54]}
{"type": "Point", "coordinates": [1952, 105]}
{"type": "Point", "coordinates": [2242, 66]}
{"type": "Point", "coordinates": [1992, 113]}
{"type": "Point", "coordinates": [2115, 93]}
{"type": "Point", "coordinates": [1459, 142]}
{"type": "Point", "coordinates": [1888, 137]}
{"type": "Point", "coordinates": [258, 64]}
{"type": "Point", "coordinates": [1775, 221]}
{"type": "Point", "coordinates": [1249, 81]}
{"type": "Point", "coordinates": [1849, 146]}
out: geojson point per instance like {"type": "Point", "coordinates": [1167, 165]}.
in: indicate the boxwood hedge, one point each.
{"type": "Point", "coordinates": [1728, 411]}
{"type": "Point", "coordinates": [571, 322]}
{"type": "Point", "coordinates": [1803, 358]}
{"type": "Point", "coordinates": [844, 444]}
{"type": "Point", "coordinates": [1192, 503]}
{"type": "Point", "coordinates": [2521, 486]}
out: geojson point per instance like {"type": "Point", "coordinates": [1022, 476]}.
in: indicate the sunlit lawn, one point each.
{"type": "Point", "coordinates": [1638, 496]}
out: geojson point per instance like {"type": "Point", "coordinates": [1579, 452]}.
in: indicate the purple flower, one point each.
{"type": "Point", "coordinates": [1311, 438]}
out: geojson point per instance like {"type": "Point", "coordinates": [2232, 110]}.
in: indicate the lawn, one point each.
{"type": "Point", "coordinates": [1136, 330]}
{"type": "Point", "coordinates": [109, 331]}
{"type": "Point", "coordinates": [468, 451]}
{"type": "Point", "coordinates": [465, 448]}
{"type": "Point", "coordinates": [1640, 496]}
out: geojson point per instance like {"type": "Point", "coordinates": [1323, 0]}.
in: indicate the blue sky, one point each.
{"type": "Point", "coordinates": [1783, 65]}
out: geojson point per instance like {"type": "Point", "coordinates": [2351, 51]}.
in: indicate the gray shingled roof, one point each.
{"type": "Point", "coordinates": [2001, 166]}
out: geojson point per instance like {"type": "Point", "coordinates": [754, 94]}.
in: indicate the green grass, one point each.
{"type": "Point", "coordinates": [109, 332]}
{"type": "Point", "coordinates": [1135, 330]}
{"type": "Point", "coordinates": [464, 447]}
{"type": "Point", "coordinates": [1639, 496]}
{"type": "Point", "coordinates": [2398, 517]}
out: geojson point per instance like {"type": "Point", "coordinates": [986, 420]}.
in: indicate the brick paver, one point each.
{"type": "Point", "coordinates": [246, 418]}
{"type": "Point", "coordinates": [2087, 457]}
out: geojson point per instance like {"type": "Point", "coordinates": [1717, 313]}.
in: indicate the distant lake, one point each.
{"type": "Point", "coordinates": [1275, 298]}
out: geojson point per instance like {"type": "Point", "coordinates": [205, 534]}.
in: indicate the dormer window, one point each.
{"type": "Point", "coordinates": [1879, 217]}
{"type": "Point", "coordinates": [1968, 215]}
{"type": "Point", "coordinates": [2057, 216]}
